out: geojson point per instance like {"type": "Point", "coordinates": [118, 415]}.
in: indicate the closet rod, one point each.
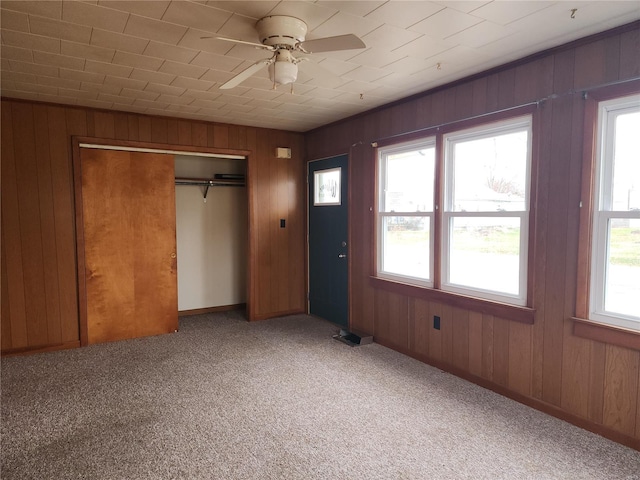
{"type": "Point", "coordinates": [205, 182]}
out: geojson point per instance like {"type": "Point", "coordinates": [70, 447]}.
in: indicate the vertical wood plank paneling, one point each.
{"type": "Point", "coordinates": [159, 130]}
{"type": "Point", "coordinates": [261, 178]}
{"type": "Point", "coordinates": [252, 206]}
{"type": "Point", "coordinates": [435, 336]}
{"type": "Point", "coordinates": [419, 326]}
{"type": "Point", "coordinates": [121, 129]}
{"type": "Point", "coordinates": [501, 351]}
{"type": "Point", "coordinates": [30, 227]}
{"type": "Point", "coordinates": [621, 389]}
{"type": "Point", "coordinates": [282, 243]}
{"type": "Point", "coordinates": [596, 381]}
{"type": "Point", "coordinates": [464, 100]}
{"type": "Point", "coordinates": [104, 124]}
{"type": "Point", "coordinates": [172, 132]}
{"type": "Point", "coordinates": [589, 64]}
{"type": "Point", "coordinates": [556, 222]}
{"type": "Point", "coordinates": [611, 59]}
{"type": "Point", "coordinates": [5, 325]}
{"type": "Point", "coordinates": [507, 88]}
{"type": "Point", "coordinates": [493, 86]}
{"type": "Point", "coordinates": [221, 135]}
{"type": "Point", "coordinates": [629, 48]}
{"type": "Point", "coordinates": [184, 132]}
{"type": "Point", "coordinates": [199, 135]}
{"type": "Point", "coordinates": [14, 301]}
{"type": "Point", "coordinates": [475, 343]}
{"type": "Point", "coordinates": [519, 379]}
{"type": "Point", "coordinates": [62, 181]}
{"type": "Point", "coordinates": [134, 127]}
{"type": "Point", "coordinates": [460, 338]}
{"type": "Point", "coordinates": [479, 96]}
{"type": "Point", "coordinates": [487, 346]}
{"type": "Point", "coordinates": [424, 112]}
{"type": "Point", "coordinates": [576, 351]}
{"type": "Point", "coordinates": [391, 319]}
{"type": "Point", "coordinates": [446, 327]}
{"type": "Point", "coordinates": [296, 194]}
{"type": "Point", "coordinates": [543, 361]}
{"type": "Point", "coordinates": [47, 224]}
{"type": "Point", "coordinates": [144, 128]}
{"type": "Point", "coordinates": [42, 191]}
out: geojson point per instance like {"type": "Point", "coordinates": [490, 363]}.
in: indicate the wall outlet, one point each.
{"type": "Point", "coordinates": [436, 322]}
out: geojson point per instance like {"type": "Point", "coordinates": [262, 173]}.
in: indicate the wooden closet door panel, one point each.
{"type": "Point", "coordinates": [129, 233]}
{"type": "Point", "coordinates": [155, 262]}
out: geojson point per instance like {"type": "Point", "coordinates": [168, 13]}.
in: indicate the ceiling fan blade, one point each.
{"type": "Point", "coordinates": [242, 76]}
{"type": "Point", "coordinates": [331, 44]}
{"type": "Point", "coordinates": [243, 42]}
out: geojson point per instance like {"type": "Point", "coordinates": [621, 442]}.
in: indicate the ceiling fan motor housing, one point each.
{"type": "Point", "coordinates": [281, 30]}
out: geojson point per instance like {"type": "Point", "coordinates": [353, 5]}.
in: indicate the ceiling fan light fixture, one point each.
{"type": "Point", "coordinates": [282, 73]}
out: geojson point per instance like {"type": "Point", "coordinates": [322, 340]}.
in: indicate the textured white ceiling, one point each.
{"type": "Point", "coordinates": [148, 56]}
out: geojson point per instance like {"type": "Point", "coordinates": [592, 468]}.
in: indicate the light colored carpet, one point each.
{"type": "Point", "coordinates": [278, 399]}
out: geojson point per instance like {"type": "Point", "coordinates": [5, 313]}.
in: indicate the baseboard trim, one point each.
{"type": "Point", "coordinates": [266, 316]}
{"type": "Point", "coordinates": [221, 308]}
{"type": "Point", "coordinates": [41, 349]}
{"type": "Point", "coordinates": [535, 403]}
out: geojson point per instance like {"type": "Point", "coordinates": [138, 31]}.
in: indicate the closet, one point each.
{"type": "Point", "coordinates": [211, 232]}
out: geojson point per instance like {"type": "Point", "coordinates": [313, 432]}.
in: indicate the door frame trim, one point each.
{"type": "Point", "coordinates": [348, 200]}
{"type": "Point", "coordinates": [78, 142]}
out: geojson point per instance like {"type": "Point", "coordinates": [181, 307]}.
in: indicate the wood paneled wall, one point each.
{"type": "Point", "coordinates": [39, 280]}
{"type": "Point", "coordinates": [593, 384]}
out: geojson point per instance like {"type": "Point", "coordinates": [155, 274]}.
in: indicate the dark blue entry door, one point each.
{"type": "Point", "coordinates": [328, 263]}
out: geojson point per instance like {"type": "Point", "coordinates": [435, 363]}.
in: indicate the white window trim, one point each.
{"type": "Point", "coordinates": [602, 215]}
{"type": "Point", "coordinates": [516, 124]}
{"type": "Point", "coordinates": [383, 153]}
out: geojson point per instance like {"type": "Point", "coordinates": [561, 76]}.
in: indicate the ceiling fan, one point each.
{"type": "Point", "coordinates": [284, 36]}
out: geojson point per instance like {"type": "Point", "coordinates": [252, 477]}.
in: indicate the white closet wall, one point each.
{"type": "Point", "coordinates": [211, 236]}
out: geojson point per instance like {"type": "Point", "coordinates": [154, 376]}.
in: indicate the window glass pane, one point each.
{"type": "Point", "coordinates": [410, 181]}
{"type": "Point", "coordinates": [490, 174]}
{"type": "Point", "coordinates": [622, 288]}
{"type": "Point", "coordinates": [626, 163]}
{"type": "Point", "coordinates": [484, 253]}
{"type": "Point", "coordinates": [406, 246]}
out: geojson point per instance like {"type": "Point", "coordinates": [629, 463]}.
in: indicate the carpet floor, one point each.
{"type": "Point", "coordinates": [278, 399]}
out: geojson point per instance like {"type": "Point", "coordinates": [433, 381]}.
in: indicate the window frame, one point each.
{"type": "Point", "coordinates": [583, 325]}
{"type": "Point", "coordinates": [381, 214]}
{"type": "Point", "coordinates": [525, 312]}
{"type": "Point", "coordinates": [507, 126]}
{"type": "Point", "coordinates": [603, 213]}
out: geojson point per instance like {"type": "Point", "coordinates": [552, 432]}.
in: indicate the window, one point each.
{"type": "Point", "coordinates": [405, 212]}
{"type": "Point", "coordinates": [615, 245]}
{"type": "Point", "coordinates": [476, 244]}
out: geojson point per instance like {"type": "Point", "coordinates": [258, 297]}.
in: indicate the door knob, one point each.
{"type": "Point", "coordinates": [342, 255]}
{"type": "Point", "coordinates": [173, 255]}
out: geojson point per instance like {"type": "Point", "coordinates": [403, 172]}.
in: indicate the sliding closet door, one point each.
{"type": "Point", "coordinates": [129, 226]}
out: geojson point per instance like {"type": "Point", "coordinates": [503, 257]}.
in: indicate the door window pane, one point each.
{"type": "Point", "coordinates": [484, 253]}
{"type": "Point", "coordinates": [326, 187]}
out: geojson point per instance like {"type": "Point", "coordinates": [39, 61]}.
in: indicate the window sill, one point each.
{"type": "Point", "coordinates": [502, 310]}
{"type": "Point", "coordinates": [600, 332]}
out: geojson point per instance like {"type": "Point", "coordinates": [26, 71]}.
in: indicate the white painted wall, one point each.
{"type": "Point", "coordinates": [211, 236]}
